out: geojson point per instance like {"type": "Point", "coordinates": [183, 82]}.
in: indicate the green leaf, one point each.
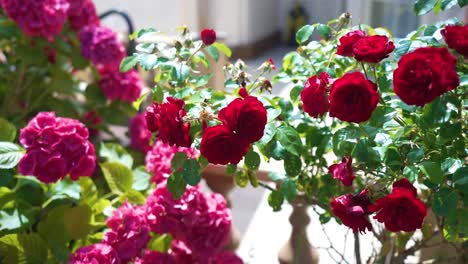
{"type": "Point", "coordinates": [292, 165]}
{"type": "Point", "coordinates": [52, 228]}
{"type": "Point", "coordinates": [67, 187]}
{"type": "Point", "coordinates": [128, 63]}
{"type": "Point", "coordinates": [178, 161]}
{"type": "Point", "coordinates": [462, 3]}
{"type": "Point", "coordinates": [324, 31]}
{"type": "Point", "coordinates": [213, 52]}
{"type": "Point", "coordinates": [143, 32]}
{"type": "Point", "coordinates": [7, 130]}
{"type": "Point", "coordinates": [277, 176]}
{"type": "Point", "coordinates": [10, 155]}
{"type": "Point", "coordinates": [148, 61]}
{"type": "Point", "coordinates": [145, 47]}
{"type": "Point", "coordinates": [422, 7]}
{"type": "Point", "coordinates": [134, 197]}
{"type": "Point", "coordinates": [411, 173]}
{"type": "Point", "coordinates": [223, 48]}
{"type": "Point", "coordinates": [231, 168]}
{"type": "Point", "coordinates": [13, 220]}
{"type": "Point", "coordinates": [23, 249]}
{"type": "Point", "coordinates": [402, 48]}
{"type": "Point", "coordinates": [158, 94]}
{"type": "Point", "coordinates": [272, 114]}
{"type": "Point", "coordinates": [415, 155]}
{"type": "Point", "coordinates": [445, 201]}
{"type": "Point", "coordinates": [191, 172]}
{"type": "Point", "coordinates": [176, 185]}
{"type": "Point", "coordinates": [432, 170]}
{"type": "Point", "coordinates": [88, 191]}
{"type": "Point", "coordinates": [447, 4]}
{"type": "Point", "coordinates": [94, 94]}
{"type": "Point", "coordinates": [451, 165]}
{"type": "Point", "coordinates": [304, 34]}
{"type": "Point", "coordinates": [137, 103]}
{"type": "Point", "coordinates": [77, 221]}
{"type": "Point", "coordinates": [275, 200]}
{"type": "Point", "coordinates": [460, 177]}
{"type": "Point", "coordinates": [252, 160]}
{"type": "Point", "coordinates": [118, 176]}
{"type": "Point", "coordinates": [115, 153]}
{"type": "Point", "coordinates": [141, 179]}
{"type": "Point", "coordinates": [160, 243]}
{"type": "Point", "coordinates": [294, 93]}
{"type": "Point", "coordinates": [268, 134]}
{"type": "Point", "coordinates": [289, 190]}
{"type": "Point", "coordinates": [289, 139]}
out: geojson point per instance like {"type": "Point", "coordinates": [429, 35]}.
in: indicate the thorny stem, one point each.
{"type": "Point", "coordinates": [193, 54]}
{"type": "Point", "coordinates": [266, 186]}
{"type": "Point", "coordinates": [364, 68]}
{"type": "Point", "coordinates": [357, 251]}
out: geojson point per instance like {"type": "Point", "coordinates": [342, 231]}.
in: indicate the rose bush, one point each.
{"type": "Point", "coordinates": [391, 110]}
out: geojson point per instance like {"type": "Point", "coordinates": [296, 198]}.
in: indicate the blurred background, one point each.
{"type": "Point", "coordinates": [252, 27]}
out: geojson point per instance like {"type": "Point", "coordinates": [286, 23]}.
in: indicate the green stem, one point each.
{"type": "Point", "coordinates": [193, 54]}
{"type": "Point", "coordinates": [364, 68]}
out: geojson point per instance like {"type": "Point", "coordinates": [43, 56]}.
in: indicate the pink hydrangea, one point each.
{"type": "Point", "coordinates": [116, 85]}
{"type": "Point", "coordinates": [55, 147]}
{"type": "Point", "coordinates": [43, 18]}
{"type": "Point", "coordinates": [184, 255]}
{"type": "Point", "coordinates": [140, 136]}
{"type": "Point", "coordinates": [129, 232]}
{"type": "Point", "coordinates": [82, 13]}
{"type": "Point", "coordinates": [95, 254]}
{"type": "Point", "coordinates": [155, 257]}
{"type": "Point", "coordinates": [159, 158]}
{"type": "Point", "coordinates": [101, 46]}
{"type": "Point", "coordinates": [201, 220]}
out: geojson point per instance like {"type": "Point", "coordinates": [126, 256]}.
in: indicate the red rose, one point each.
{"type": "Point", "coordinates": [343, 171]}
{"type": "Point", "coordinates": [353, 98]}
{"type": "Point", "coordinates": [347, 42]}
{"type": "Point", "coordinates": [425, 74]}
{"type": "Point", "coordinates": [208, 36]}
{"type": "Point", "coordinates": [456, 37]}
{"type": "Point", "coordinates": [168, 120]}
{"type": "Point", "coordinates": [220, 146]}
{"type": "Point", "coordinates": [401, 210]}
{"type": "Point", "coordinates": [243, 92]}
{"type": "Point", "coordinates": [352, 211]}
{"type": "Point", "coordinates": [372, 48]}
{"type": "Point", "coordinates": [245, 117]}
{"type": "Point", "coordinates": [314, 95]}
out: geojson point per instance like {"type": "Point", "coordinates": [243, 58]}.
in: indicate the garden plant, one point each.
{"type": "Point", "coordinates": [371, 133]}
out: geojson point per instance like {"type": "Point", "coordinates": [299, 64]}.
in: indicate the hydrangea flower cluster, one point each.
{"type": "Point", "coordinates": [96, 253]}
{"type": "Point", "coordinates": [129, 231]}
{"type": "Point", "coordinates": [101, 46]}
{"type": "Point", "coordinates": [44, 18]}
{"type": "Point", "coordinates": [82, 13]}
{"type": "Point", "coordinates": [198, 222]}
{"type": "Point", "coordinates": [116, 85]}
{"type": "Point", "coordinates": [55, 147]}
{"type": "Point", "coordinates": [158, 159]}
{"type": "Point", "coordinates": [201, 220]}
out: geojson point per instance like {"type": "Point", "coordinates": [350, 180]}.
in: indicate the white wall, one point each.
{"type": "Point", "coordinates": [163, 15]}
{"type": "Point", "coordinates": [244, 21]}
